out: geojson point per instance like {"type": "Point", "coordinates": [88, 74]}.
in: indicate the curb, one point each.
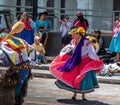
{"type": "Point", "coordinates": [108, 80]}
{"type": "Point", "coordinates": [42, 71]}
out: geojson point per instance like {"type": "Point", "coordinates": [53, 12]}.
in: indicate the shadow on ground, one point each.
{"type": "Point", "coordinates": [80, 102]}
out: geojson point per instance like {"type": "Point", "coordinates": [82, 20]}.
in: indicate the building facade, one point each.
{"type": "Point", "coordinates": [100, 13]}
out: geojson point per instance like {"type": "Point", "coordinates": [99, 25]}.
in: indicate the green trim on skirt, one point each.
{"type": "Point", "coordinates": [88, 84]}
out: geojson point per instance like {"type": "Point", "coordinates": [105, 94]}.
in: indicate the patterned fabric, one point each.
{"type": "Point", "coordinates": [16, 43]}
{"type": "Point", "coordinates": [2, 36]}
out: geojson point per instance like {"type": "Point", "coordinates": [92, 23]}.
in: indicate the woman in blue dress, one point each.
{"type": "Point", "coordinates": [42, 26]}
{"type": "Point", "coordinates": [115, 43]}
{"type": "Point", "coordinates": [28, 33]}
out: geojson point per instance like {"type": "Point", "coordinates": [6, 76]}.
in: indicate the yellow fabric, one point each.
{"type": "Point", "coordinates": [16, 43]}
{"type": "Point", "coordinates": [91, 38]}
{"type": "Point", "coordinates": [77, 30]}
{"type": "Point", "coordinates": [39, 47]}
{"type": "Point", "coordinates": [14, 58]}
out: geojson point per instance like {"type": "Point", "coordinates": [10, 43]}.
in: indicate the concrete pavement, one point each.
{"type": "Point", "coordinates": [42, 71]}
{"type": "Point", "coordinates": [43, 91]}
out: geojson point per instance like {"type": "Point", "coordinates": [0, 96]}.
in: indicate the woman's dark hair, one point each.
{"type": "Point", "coordinates": [73, 27]}
{"type": "Point", "coordinates": [66, 16]}
{"type": "Point", "coordinates": [40, 14]}
{"type": "Point", "coordinates": [81, 19]}
{"type": "Point", "coordinates": [45, 13]}
{"type": "Point", "coordinates": [98, 36]}
{"type": "Point", "coordinates": [99, 33]}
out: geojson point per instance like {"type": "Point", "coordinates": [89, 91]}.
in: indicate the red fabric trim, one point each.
{"type": "Point", "coordinates": [27, 24]}
{"type": "Point", "coordinates": [74, 77]}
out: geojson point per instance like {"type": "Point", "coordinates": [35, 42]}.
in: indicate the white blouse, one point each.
{"type": "Point", "coordinates": [87, 50]}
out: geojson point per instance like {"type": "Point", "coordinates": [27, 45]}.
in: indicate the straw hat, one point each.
{"type": "Point", "coordinates": [76, 30]}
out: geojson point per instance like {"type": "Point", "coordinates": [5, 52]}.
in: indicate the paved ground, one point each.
{"type": "Point", "coordinates": [42, 91]}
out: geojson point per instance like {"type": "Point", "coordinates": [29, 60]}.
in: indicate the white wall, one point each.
{"type": "Point", "coordinates": [71, 4]}
{"type": "Point", "coordinates": [2, 3]}
{"type": "Point", "coordinates": [57, 4]}
{"type": "Point", "coordinates": [86, 5]}
{"type": "Point", "coordinates": [41, 3]}
{"type": "Point", "coordinates": [106, 6]}
{"type": "Point", "coordinates": [94, 18]}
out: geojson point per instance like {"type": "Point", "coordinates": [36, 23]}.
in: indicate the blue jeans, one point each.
{"type": "Point", "coordinates": [39, 57]}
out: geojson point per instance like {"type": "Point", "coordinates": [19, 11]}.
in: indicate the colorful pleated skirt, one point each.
{"type": "Point", "coordinates": [81, 79]}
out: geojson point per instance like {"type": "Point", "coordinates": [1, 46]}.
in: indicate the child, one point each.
{"type": "Point", "coordinates": [40, 51]}
{"type": "Point", "coordinates": [94, 43]}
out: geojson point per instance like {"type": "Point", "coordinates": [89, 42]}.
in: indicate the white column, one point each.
{"type": "Point", "coordinates": [71, 4]}
{"type": "Point", "coordinates": [41, 3]}
{"type": "Point", "coordinates": [23, 4]}
{"type": "Point", "coordinates": [2, 3]}
{"type": "Point", "coordinates": [57, 4]}
{"type": "Point", "coordinates": [86, 5]}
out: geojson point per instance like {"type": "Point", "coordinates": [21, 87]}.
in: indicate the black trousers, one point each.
{"type": "Point", "coordinates": [43, 38]}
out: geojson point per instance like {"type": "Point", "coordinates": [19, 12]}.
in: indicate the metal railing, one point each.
{"type": "Point", "coordinates": [102, 20]}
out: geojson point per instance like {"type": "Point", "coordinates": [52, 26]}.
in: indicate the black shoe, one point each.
{"type": "Point", "coordinates": [84, 99]}
{"type": "Point", "coordinates": [73, 98]}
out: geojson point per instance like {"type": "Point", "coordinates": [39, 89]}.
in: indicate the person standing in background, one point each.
{"type": "Point", "coordinates": [65, 26]}
{"type": "Point", "coordinates": [49, 27]}
{"type": "Point", "coordinates": [42, 26]}
{"type": "Point", "coordinates": [28, 33]}
{"type": "Point", "coordinates": [64, 29]}
{"type": "Point", "coordinates": [81, 21]}
{"type": "Point", "coordinates": [115, 42]}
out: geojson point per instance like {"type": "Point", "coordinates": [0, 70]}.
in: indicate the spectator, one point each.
{"type": "Point", "coordinates": [64, 29]}
{"type": "Point", "coordinates": [48, 20]}
{"type": "Point", "coordinates": [28, 33]}
{"type": "Point", "coordinates": [99, 37]}
{"type": "Point", "coordinates": [65, 26]}
{"type": "Point", "coordinates": [81, 21]}
{"type": "Point", "coordinates": [94, 43]}
{"type": "Point", "coordinates": [100, 41]}
{"type": "Point", "coordinates": [49, 28]}
{"type": "Point", "coordinates": [40, 51]}
{"type": "Point", "coordinates": [42, 26]}
{"type": "Point", "coordinates": [115, 42]}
